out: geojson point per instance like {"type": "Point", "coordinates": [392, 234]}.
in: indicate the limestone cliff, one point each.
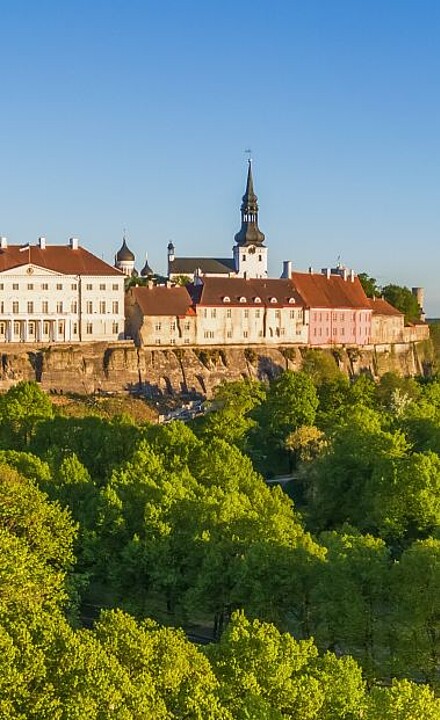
{"type": "Point", "coordinates": [119, 367]}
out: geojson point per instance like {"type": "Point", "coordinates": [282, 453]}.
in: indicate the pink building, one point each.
{"type": "Point", "coordinates": [339, 311]}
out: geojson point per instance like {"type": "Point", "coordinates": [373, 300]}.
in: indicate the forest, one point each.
{"type": "Point", "coordinates": [122, 540]}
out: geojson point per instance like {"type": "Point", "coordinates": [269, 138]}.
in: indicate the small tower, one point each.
{"type": "Point", "coordinates": [250, 253]}
{"type": "Point", "coordinates": [124, 259]}
{"type": "Point", "coordinates": [146, 270]}
{"type": "Point", "coordinates": [171, 257]}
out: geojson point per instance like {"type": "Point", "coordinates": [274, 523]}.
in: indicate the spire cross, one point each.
{"type": "Point", "coordinates": [248, 152]}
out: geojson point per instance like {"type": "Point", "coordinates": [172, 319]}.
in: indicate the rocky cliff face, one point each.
{"type": "Point", "coordinates": [119, 367]}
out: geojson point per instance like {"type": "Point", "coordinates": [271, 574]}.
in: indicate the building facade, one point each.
{"type": "Point", "coordinates": [58, 293]}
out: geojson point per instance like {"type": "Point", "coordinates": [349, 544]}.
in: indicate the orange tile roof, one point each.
{"type": "Point", "coordinates": [380, 306]}
{"type": "Point", "coordinates": [58, 258]}
{"type": "Point", "coordinates": [162, 300]}
{"type": "Point", "coordinates": [319, 291]}
{"type": "Point", "coordinates": [272, 292]}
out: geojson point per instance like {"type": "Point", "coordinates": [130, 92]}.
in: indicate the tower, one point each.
{"type": "Point", "coordinates": [124, 259]}
{"type": "Point", "coordinates": [250, 253]}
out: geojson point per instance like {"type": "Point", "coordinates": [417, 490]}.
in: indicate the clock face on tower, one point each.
{"type": "Point", "coordinates": [252, 250]}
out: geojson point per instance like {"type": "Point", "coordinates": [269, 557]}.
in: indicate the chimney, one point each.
{"type": "Point", "coordinates": [311, 270]}
{"type": "Point", "coordinates": [150, 284]}
{"type": "Point", "coordinates": [327, 272]}
{"type": "Point", "coordinates": [74, 243]}
{"type": "Point", "coordinates": [352, 276]}
{"type": "Point", "coordinates": [3, 243]}
{"type": "Point", "coordinates": [42, 243]}
{"type": "Point", "coordinates": [287, 269]}
{"type": "Point", "coordinates": [344, 274]}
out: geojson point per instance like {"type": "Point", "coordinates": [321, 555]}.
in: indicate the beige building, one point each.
{"type": "Point", "coordinates": [387, 323]}
{"type": "Point", "coordinates": [160, 315]}
{"type": "Point", "coordinates": [217, 311]}
{"type": "Point", "coordinates": [58, 293]}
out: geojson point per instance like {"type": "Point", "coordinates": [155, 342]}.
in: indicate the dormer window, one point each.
{"type": "Point", "coordinates": [257, 300]}
{"type": "Point", "coordinates": [242, 299]}
{"type": "Point", "coordinates": [291, 301]}
{"type": "Point", "coordinates": [226, 299]}
{"type": "Point", "coordinates": [273, 300]}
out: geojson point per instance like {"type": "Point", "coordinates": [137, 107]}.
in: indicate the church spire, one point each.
{"type": "Point", "coordinates": [249, 233]}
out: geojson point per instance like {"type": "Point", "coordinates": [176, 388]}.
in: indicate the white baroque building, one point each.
{"type": "Point", "coordinates": [58, 293]}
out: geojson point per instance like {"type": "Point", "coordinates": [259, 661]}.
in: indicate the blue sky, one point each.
{"type": "Point", "coordinates": [137, 114]}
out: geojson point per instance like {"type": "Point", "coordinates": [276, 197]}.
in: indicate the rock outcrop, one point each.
{"type": "Point", "coordinates": [121, 367]}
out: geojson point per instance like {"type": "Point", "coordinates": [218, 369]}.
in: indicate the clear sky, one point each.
{"type": "Point", "coordinates": [137, 114]}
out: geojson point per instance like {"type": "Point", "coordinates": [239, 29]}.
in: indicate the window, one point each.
{"type": "Point", "coordinates": [314, 332]}
{"type": "Point", "coordinates": [60, 306]}
{"type": "Point", "coordinates": [115, 307]}
{"type": "Point", "coordinates": [17, 328]}
{"type": "Point", "coordinates": [74, 307]}
{"type": "Point", "coordinates": [205, 313]}
{"type": "Point", "coordinates": [246, 313]}
{"type": "Point", "coordinates": [2, 328]}
{"type": "Point", "coordinates": [75, 328]}
{"type": "Point", "coordinates": [30, 286]}
{"type": "Point", "coordinates": [342, 331]}
{"type": "Point", "coordinates": [59, 286]}
{"type": "Point", "coordinates": [89, 328]}
{"type": "Point", "coordinates": [2, 287]}
{"type": "Point", "coordinates": [260, 258]}
{"type": "Point", "coordinates": [226, 299]}
{"type": "Point", "coordinates": [89, 307]}
{"type": "Point", "coordinates": [60, 328]}
{"type": "Point", "coordinates": [74, 286]}
{"type": "Point", "coordinates": [229, 334]}
{"type": "Point", "coordinates": [334, 331]}
{"type": "Point", "coordinates": [44, 286]}
{"type": "Point", "coordinates": [46, 327]}
{"type": "Point", "coordinates": [15, 286]}
{"type": "Point", "coordinates": [186, 341]}
{"type": "Point", "coordinates": [115, 286]}
{"type": "Point", "coordinates": [243, 257]}
{"type": "Point", "coordinates": [2, 306]}
{"type": "Point", "coordinates": [172, 326]}
{"type": "Point", "coordinates": [213, 313]}
{"type": "Point", "coordinates": [15, 307]}
{"type": "Point", "coordinates": [257, 313]}
{"type": "Point", "coordinates": [115, 327]}
{"type": "Point", "coordinates": [260, 333]}
{"type": "Point", "coordinates": [30, 308]}
{"type": "Point", "coordinates": [341, 317]}
{"type": "Point", "coordinates": [187, 326]}
{"type": "Point", "coordinates": [242, 299]}
{"type": "Point", "coordinates": [89, 287]}
{"type": "Point", "coordinates": [335, 316]}
{"type": "Point", "coordinates": [278, 314]}
{"type": "Point", "coordinates": [292, 314]}
{"type": "Point", "coordinates": [45, 306]}
{"type": "Point", "coordinates": [173, 341]}
{"type": "Point", "coordinates": [157, 341]}
{"type": "Point", "coordinates": [31, 329]}
{"type": "Point", "coordinates": [158, 327]}
{"type": "Point", "coordinates": [102, 286]}
{"type": "Point", "coordinates": [228, 313]}
{"type": "Point", "coordinates": [245, 333]}
{"type": "Point", "coordinates": [102, 307]}
{"type": "Point", "coordinates": [273, 300]}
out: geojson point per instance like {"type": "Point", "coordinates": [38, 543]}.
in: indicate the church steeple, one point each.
{"type": "Point", "coordinates": [249, 233]}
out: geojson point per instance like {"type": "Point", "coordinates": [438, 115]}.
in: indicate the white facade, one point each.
{"type": "Point", "coordinates": [42, 305]}
{"type": "Point", "coordinates": [250, 261]}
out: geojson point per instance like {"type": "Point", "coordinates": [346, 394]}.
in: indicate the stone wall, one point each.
{"type": "Point", "coordinates": [119, 367]}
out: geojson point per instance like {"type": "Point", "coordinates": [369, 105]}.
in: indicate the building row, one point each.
{"type": "Point", "coordinates": [315, 309]}
{"type": "Point", "coordinates": [64, 293]}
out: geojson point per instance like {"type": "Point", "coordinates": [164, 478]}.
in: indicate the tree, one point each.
{"type": "Point", "coordinates": [402, 299]}
{"type": "Point", "coordinates": [369, 284]}
{"type": "Point", "coordinates": [266, 674]}
{"type": "Point", "coordinates": [404, 700]}
{"type": "Point", "coordinates": [21, 409]}
{"type": "Point", "coordinates": [291, 402]}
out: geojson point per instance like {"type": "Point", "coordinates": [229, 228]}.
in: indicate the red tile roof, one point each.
{"type": "Point", "coordinates": [380, 306]}
{"type": "Point", "coordinates": [162, 300]}
{"type": "Point", "coordinates": [58, 258]}
{"type": "Point", "coordinates": [319, 291]}
{"type": "Point", "coordinates": [271, 292]}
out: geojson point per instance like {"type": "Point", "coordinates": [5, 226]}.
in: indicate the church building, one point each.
{"type": "Point", "coordinates": [249, 254]}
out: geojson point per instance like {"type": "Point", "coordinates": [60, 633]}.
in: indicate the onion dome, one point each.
{"type": "Point", "coordinates": [146, 270]}
{"type": "Point", "coordinates": [124, 254]}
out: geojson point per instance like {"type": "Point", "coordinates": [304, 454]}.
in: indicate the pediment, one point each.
{"type": "Point", "coordinates": [30, 270]}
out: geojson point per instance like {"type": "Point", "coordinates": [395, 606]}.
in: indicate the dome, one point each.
{"type": "Point", "coordinates": [146, 270]}
{"type": "Point", "coordinates": [124, 254]}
